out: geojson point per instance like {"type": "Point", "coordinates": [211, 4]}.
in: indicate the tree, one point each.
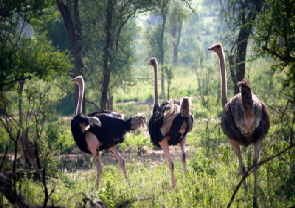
{"type": "Point", "coordinates": [274, 37]}
{"type": "Point", "coordinates": [110, 31]}
{"type": "Point", "coordinates": [168, 27]}
{"type": "Point", "coordinates": [74, 29]}
{"type": "Point", "coordinates": [156, 37]}
{"type": "Point", "coordinates": [176, 18]}
{"type": "Point", "coordinates": [239, 17]}
{"type": "Point", "coordinates": [24, 56]}
{"type": "Point", "coordinates": [15, 19]}
{"type": "Point", "coordinates": [35, 58]}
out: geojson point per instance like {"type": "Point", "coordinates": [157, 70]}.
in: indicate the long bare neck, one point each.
{"type": "Point", "coordinates": [156, 84]}
{"type": "Point", "coordinates": [223, 77]}
{"type": "Point", "coordinates": [81, 94]}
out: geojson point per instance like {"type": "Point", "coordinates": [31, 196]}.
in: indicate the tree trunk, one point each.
{"type": "Point", "coordinates": [75, 36]}
{"type": "Point", "coordinates": [28, 150]}
{"type": "Point", "coordinates": [241, 56]}
{"type": "Point", "coordinates": [162, 50]}
{"type": "Point", "coordinates": [245, 19]}
{"type": "Point", "coordinates": [175, 32]}
{"type": "Point", "coordinates": [107, 57]}
{"type": "Point", "coordinates": [27, 147]}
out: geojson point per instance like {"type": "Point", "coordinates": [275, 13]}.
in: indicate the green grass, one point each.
{"type": "Point", "coordinates": [209, 182]}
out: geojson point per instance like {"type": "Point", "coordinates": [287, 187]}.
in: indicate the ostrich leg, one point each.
{"type": "Point", "coordinates": [257, 147]}
{"type": "Point", "coordinates": [93, 145]}
{"type": "Point", "coordinates": [236, 147]}
{"type": "Point", "coordinates": [183, 155]}
{"type": "Point", "coordinates": [98, 169]}
{"type": "Point", "coordinates": [165, 146]}
{"type": "Point", "coordinates": [120, 159]}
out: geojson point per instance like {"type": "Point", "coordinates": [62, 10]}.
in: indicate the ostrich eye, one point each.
{"type": "Point", "coordinates": [218, 46]}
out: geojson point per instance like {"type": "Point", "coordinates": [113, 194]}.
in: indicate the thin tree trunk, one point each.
{"type": "Point", "coordinates": [175, 32]}
{"type": "Point", "coordinates": [162, 50]}
{"type": "Point", "coordinates": [26, 146]}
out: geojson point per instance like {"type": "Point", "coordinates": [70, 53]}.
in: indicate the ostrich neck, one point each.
{"type": "Point", "coordinates": [81, 93]}
{"type": "Point", "coordinates": [156, 85]}
{"type": "Point", "coordinates": [223, 78]}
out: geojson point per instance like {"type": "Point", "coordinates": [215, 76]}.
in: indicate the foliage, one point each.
{"type": "Point", "coordinates": [55, 31]}
{"type": "Point", "coordinates": [274, 37]}
{"type": "Point", "coordinates": [33, 58]}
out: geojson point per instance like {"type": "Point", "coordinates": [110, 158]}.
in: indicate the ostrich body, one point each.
{"type": "Point", "coordinates": [101, 130]}
{"type": "Point", "coordinates": [245, 119]}
{"type": "Point", "coordinates": [169, 124]}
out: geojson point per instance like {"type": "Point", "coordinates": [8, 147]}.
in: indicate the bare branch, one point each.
{"type": "Point", "coordinates": [253, 167]}
{"type": "Point", "coordinates": [93, 103]}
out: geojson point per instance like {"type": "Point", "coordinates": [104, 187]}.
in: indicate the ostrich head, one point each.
{"type": "Point", "coordinates": [79, 80]}
{"type": "Point", "coordinates": [184, 109]}
{"type": "Point", "coordinates": [244, 88]}
{"type": "Point", "coordinates": [217, 48]}
{"type": "Point", "coordinates": [152, 61]}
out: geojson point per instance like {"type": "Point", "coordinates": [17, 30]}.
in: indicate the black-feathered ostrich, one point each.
{"type": "Point", "coordinates": [169, 124]}
{"type": "Point", "coordinates": [245, 119]}
{"type": "Point", "coordinates": [101, 130]}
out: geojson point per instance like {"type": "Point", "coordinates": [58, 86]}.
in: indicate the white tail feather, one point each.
{"type": "Point", "coordinates": [138, 121]}
{"type": "Point", "coordinates": [169, 112]}
{"type": "Point", "coordinates": [91, 120]}
{"type": "Point", "coordinates": [95, 120]}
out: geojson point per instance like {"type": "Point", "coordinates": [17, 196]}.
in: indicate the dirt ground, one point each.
{"type": "Point", "coordinates": [153, 157]}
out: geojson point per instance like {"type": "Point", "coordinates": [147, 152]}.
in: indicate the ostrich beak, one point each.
{"type": "Point", "coordinates": [75, 80]}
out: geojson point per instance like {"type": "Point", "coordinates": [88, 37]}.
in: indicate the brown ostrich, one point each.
{"type": "Point", "coordinates": [245, 119]}
{"type": "Point", "coordinates": [169, 124]}
{"type": "Point", "coordinates": [101, 130]}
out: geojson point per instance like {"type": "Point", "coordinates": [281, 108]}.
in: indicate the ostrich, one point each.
{"type": "Point", "coordinates": [245, 119]}
{"type": "Point", "coordinates": [101, 130]}
{"type": "Point", "coordinates": [169, 124]}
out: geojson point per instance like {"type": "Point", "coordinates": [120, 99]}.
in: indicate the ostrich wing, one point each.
{"type": "Point", "coordinates": [263, 127]}
{"type": "Point", "coordinates": [111, 132]}
{"type": "Point", "coordinates": [156, 122]}
{"type": "Point", "coordinates": [77, 133]}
